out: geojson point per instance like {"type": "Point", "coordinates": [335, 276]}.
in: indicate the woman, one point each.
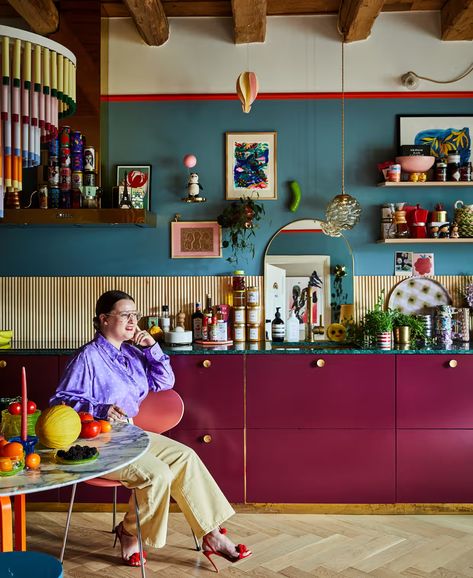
{"type": "Point", "coordinates": [109, 377]}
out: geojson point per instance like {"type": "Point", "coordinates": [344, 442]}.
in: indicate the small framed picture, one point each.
{"type": "Point", "coordinates": [402, 263]}
{"type": "Point", "coordinates": [196, 240]}
{"type": "Point", "coordinates": [423, 264]}
{"type": "Point", "coordinates": [251, 165]}
{"type": "Point", "coordinates": [138, 179]}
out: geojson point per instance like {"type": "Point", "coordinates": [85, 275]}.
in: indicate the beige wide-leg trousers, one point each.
{"type": "Point", "coordinates": [171, 469]}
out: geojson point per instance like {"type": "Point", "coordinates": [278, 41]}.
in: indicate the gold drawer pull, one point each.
{"type": "Point", "coordinates": [3, 363]}
{"type": "Point", "coordinates": [320, 362]}
{"type": "Point", "coordinates": [207, 439]}
{"type": "Point", "coordinates": [206, 363]}
{"type": "Point", "coordinates": [452, 363]}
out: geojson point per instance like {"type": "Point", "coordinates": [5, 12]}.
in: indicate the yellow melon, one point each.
{"type": "Point", "coordinates": [58, 426]}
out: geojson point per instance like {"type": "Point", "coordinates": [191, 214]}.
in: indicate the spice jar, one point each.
{"type": "Point", "coordinates": [441, 171]}
{"type": "Point", "coordinates": [252, 297]}
{"type": "Point", "coordinates": [253, 333]}
{"type": "Point", "coordinates": [453, 167]}
{"type": "Point", "coordinates": [238, 280]}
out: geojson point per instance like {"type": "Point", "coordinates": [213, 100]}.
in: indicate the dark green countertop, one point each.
{"type": "Point", "coordinates": [317, 348]}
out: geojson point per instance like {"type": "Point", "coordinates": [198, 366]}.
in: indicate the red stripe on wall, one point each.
{"type": "Point", "coordinates": [282, 96]}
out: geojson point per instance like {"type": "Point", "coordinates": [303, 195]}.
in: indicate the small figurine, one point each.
{"type": "Point", "coordinates": [444, 231]}
{"type": "Point", "coordinates": [181, 320]}
{"type": "Point", "coordinates": [454, 234]}
{"type": "Point", "coordinates": [434, 232]}
{"type": "Point", "coordinates": [422, 177]}
{"type": "Point", "coordinates": [193, 189]}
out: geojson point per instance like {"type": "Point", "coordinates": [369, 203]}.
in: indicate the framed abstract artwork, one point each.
{"type": "Point", "coordinates": [251, 165]}
{"type": "Point", "coordinates": [444, 134]}
{"type": "Point", "coordinates": [138, 178]}
{"type": "Point", "coordinates": [196, 240]}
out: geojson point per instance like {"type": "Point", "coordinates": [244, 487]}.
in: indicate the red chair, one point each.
{"type": "Point", "coordinates": [155, 416]}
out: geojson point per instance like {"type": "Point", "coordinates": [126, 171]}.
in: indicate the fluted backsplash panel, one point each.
{"type": "Point", "coordinates": [59, 310]}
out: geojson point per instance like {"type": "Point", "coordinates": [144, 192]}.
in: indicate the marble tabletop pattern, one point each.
{"type": "Point", "coordinates": [118, 448]}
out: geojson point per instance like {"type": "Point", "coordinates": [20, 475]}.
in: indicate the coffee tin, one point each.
{"type": "Point", "coordinates": [77, 179]}
{"type": "Point", "coordinates": [54, 147]}
{"type": "Point", "coordinates": [65, 157]}
{"type": "Point", "coordinates": [239, 315]}
{"type": "Point", "coordinates": [53, 200]}
{"type": "Point", "coordinates": [77, 143]}
{"type": "Point", "coordinates": [53, 176]}
{"type": "Point", "coordinates": [65, 136]}
{"type": "Point", "coordinates": [65, 178]}
{"type": "Point", "coordinates": [254, 315]}
{"type": "Point", "coordinates": [252, 296]}
{"type": "Point", "coordinates": [238, 332]}
{"type": "Point", "coordinates": [77, 162]}
{"type": "Point", "coordinates": [89, 179]}
{"type": "Point", "coordinates": [89, 158]}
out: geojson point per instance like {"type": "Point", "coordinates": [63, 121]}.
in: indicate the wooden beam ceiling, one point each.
{"type": "Point", "coordinates": [249, 21]}
{"type": "Point", "coordinates": [150, 20]}
{"type": "Point", "coordinates": [457, 20]}
{"type": "Point", "coordinates": [41, 15]}
{"type": "Point", "coordinates": [356, 18]}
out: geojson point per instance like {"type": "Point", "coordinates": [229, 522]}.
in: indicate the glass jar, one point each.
{"type": "Point", "coordinates": [453, 167]}
{"type": "Point", "coordinates": [252, 297]}
{"type": "Point", "coordinates": [239, 298]}
{"type": "Point", "coordinates": [238, 281]}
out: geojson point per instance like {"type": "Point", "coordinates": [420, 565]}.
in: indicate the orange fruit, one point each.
{"type": "Point", "coordinates": [32, 461]}
{"type": "Point", "coordinates": [105, 426]}
{"type": "Point", "coordinates": [5, 465]}
{"type": "Point", "coordinates": [12, 450]}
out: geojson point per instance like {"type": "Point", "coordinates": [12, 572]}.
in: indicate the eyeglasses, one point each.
{"type": "Point", "coordinates": [126, 316]}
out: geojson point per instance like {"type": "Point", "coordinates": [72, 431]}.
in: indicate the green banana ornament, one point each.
{"type": "Point", "coordinates": [296, 196]}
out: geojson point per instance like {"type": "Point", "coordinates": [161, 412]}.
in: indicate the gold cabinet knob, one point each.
{"type": "Point", "coordinates": [320, 362]}
{"type": "Point", "coordinates": [3, 363]}
{"type": "Point", "coordinates": [207, 439]}
{"type": "Point", "coordinates": [452, 363]}
{"type": "Point", "coordinates": [206, 363]}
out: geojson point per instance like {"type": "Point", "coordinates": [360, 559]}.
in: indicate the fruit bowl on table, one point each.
{"type": "Point", "coordinates": [18, 465]}
{"type": "Point", "coordinates": [415, 164]}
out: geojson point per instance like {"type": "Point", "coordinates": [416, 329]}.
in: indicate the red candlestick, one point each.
{"type": "Point", "coordinates": [24, 404]}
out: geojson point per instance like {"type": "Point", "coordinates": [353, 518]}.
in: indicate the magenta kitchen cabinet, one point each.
{"type": "Point", "coordinates": [41, 373]}
{"type": "Point", "coordinates": [326, 391]}
{"type": "Point", "coordinates": [320, 466]}
{"type": "Point", "coordinates": [435, 465]}
{"type": "Point", "coordinates": [222, 452]}
{"type": "Point", "coordinates": [434, 391]}
{"type": "Point", "coordinates": [212, 389]}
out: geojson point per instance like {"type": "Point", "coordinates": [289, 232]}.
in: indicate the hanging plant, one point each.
{"type": "Point", "coordinates": [239, 221]}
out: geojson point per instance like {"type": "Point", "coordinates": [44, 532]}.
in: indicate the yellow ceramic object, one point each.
{"type": "Point", "coordinates": [336, 332]}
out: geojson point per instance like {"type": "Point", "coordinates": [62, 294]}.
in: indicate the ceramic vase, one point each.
{"type": "Point", "coordinates": [383, 340]}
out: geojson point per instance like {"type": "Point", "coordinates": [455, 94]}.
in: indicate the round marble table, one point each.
{"type": "Point", "coordinates": [118, 448]}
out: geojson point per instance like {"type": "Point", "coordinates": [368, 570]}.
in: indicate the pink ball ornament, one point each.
{"type": "Point", "coordinates": [189, 161]}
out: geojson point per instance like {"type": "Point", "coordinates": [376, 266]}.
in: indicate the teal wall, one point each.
{"type": "Point", "coordinates": [160, 133]}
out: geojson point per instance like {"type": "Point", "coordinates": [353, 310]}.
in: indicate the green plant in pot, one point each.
{"type": "Point", "coordinates": [378, 321]}
{"type": "Point", "coordinates": [414, 329]}
{"type": "Point", "coordinates": [239, 221]}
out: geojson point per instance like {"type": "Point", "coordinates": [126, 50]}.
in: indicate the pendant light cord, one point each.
{"type": "Point", "coordinates": [343, 115]}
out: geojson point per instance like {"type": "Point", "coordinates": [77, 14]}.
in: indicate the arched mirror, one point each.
{"type": "Point", "coordinates": [302, 265]}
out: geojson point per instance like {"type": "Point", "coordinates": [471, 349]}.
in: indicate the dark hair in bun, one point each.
{"type": "Point", "coordinates": [106, 302]}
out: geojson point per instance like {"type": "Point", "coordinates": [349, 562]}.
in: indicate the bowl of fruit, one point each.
{"type": "Point", "coordinates": [12, 458]}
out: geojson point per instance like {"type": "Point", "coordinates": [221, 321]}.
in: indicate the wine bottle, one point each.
{"type": "Point", "coordinates": [125, 201]}
{"type": "Point", "coordinates": [197, 318]}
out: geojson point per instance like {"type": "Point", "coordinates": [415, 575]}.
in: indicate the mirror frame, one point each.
{"type": "Point", "coordinates": [314, 220]}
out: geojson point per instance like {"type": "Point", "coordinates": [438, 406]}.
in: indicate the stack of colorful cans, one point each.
{"type": "Point", "coordinates": [77, 165]}
{"type": "Point", "coordinates": [426, 320]}
{"type": "Point", "coordinates": [53, 173]}
{"type": "Point", "coordinates": [65, 172]}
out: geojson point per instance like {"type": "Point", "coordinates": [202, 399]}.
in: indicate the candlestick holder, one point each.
{"type": "Point", "coordinates": [28, 445]}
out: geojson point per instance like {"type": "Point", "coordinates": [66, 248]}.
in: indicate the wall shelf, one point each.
{"type": "Point", "coordinates": [410, 241]}
{"type": "Point", "coordinates": [426, 184]}
{"type": "Point", "coordinates": [80, 217]}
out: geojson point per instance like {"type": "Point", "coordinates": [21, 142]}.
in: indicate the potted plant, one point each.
{"type": "Point", "coordinates": [407, 328]}
{"type": "Point", "coordinates": [240, 221]}
{"type": "Point", "coordinates": [378, 324]}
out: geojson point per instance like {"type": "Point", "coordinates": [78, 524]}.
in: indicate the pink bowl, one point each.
{"type": "Point", "coordinates": [415, 164]}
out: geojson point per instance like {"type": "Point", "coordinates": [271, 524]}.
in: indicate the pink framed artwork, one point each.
{"type": "Point", "coordinates": [196, 240]}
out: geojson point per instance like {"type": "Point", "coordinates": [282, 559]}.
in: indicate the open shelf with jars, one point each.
{"type": "Point", "coordinates": [80, 217]}
{"type": "Point", "coordinates": [410, 240]}
{"type": "Point", "coordinates": [426, 184]}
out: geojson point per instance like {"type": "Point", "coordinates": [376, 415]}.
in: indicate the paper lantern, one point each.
{"type": "Point", "coordinates": [247, 89]}
{"type": "Point", "coordinates": [38, 88]}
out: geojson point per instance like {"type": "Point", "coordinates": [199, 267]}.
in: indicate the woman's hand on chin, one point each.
{"type": "Point", "coordinates": [143, 338]}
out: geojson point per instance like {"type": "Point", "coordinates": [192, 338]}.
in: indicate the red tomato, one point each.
{"type": "Point", "coordinates": [84, 416]}
{"type": "Point", "coordinates": [30, 407]}
{"type": "Point", "coordinates": [15, 408]}
{"type": "Point", "coordinates": [90, 429]}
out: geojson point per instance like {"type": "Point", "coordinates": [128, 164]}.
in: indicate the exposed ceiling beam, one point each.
{"type": "Point", "coordinates": [41, 15]}
{"type": "Point", "coordinates": [150, 20]}
{"type": "Point", "coordinates": [457, 20]}
{"type": "Point", "coordinates": [249, 20]}
{"type": "Point", "coordinates": [356, 18]}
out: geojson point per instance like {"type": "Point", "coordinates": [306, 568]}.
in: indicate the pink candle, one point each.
{"type": "Point", "coordinates": [24, 404]}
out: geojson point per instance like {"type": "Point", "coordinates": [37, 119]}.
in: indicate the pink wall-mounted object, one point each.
{"type": "Point", "coordinates": [247, 89]}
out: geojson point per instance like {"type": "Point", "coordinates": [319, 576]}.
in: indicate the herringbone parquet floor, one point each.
{"type": "Point", "coordinates": [291, 545]}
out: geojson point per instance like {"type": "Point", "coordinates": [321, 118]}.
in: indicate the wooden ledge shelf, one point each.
{"type": "Point", "coordinates": [427, 184]}
{"type": "Point", "coordinates": [80, 217]}
{"type": "Point", "coordinates": [428, 240]}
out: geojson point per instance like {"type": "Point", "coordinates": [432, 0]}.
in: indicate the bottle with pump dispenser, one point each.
{"type": "Point", "coordinates": [293, 329]}
{"type": "Point", "coordinates": [277, 327]}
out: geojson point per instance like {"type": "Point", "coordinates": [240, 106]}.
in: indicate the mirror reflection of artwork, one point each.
{"type": "Point", "coordinates": [297, 289]}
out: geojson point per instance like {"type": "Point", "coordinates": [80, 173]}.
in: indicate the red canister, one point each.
{"type": "Point", "coordinates": [65, 136]}
{"type": "Point", "coordinates": [65, 178]}
{"type": "Point", "coordinates": [65, 157]}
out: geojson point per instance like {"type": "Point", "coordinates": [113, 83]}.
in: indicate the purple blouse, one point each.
{"type": "Point", "coordinates": [100, 375]}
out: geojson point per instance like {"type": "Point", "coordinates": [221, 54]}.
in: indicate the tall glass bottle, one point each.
{"type": "Point", "coordinates": [197, 318]}
{"type": "Point", "coordinates": [164, 319]}
{"type": "Point", "coordinates": [277, 327]}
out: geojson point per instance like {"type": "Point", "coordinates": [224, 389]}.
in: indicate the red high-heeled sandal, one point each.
{"type": "Point", "coordinates": [134, 559]}
{"type": "Point", "coordinates": [241, 551]}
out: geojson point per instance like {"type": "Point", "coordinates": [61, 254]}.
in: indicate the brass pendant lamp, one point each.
{"type": "Point", "coordinates": [343, 212]}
